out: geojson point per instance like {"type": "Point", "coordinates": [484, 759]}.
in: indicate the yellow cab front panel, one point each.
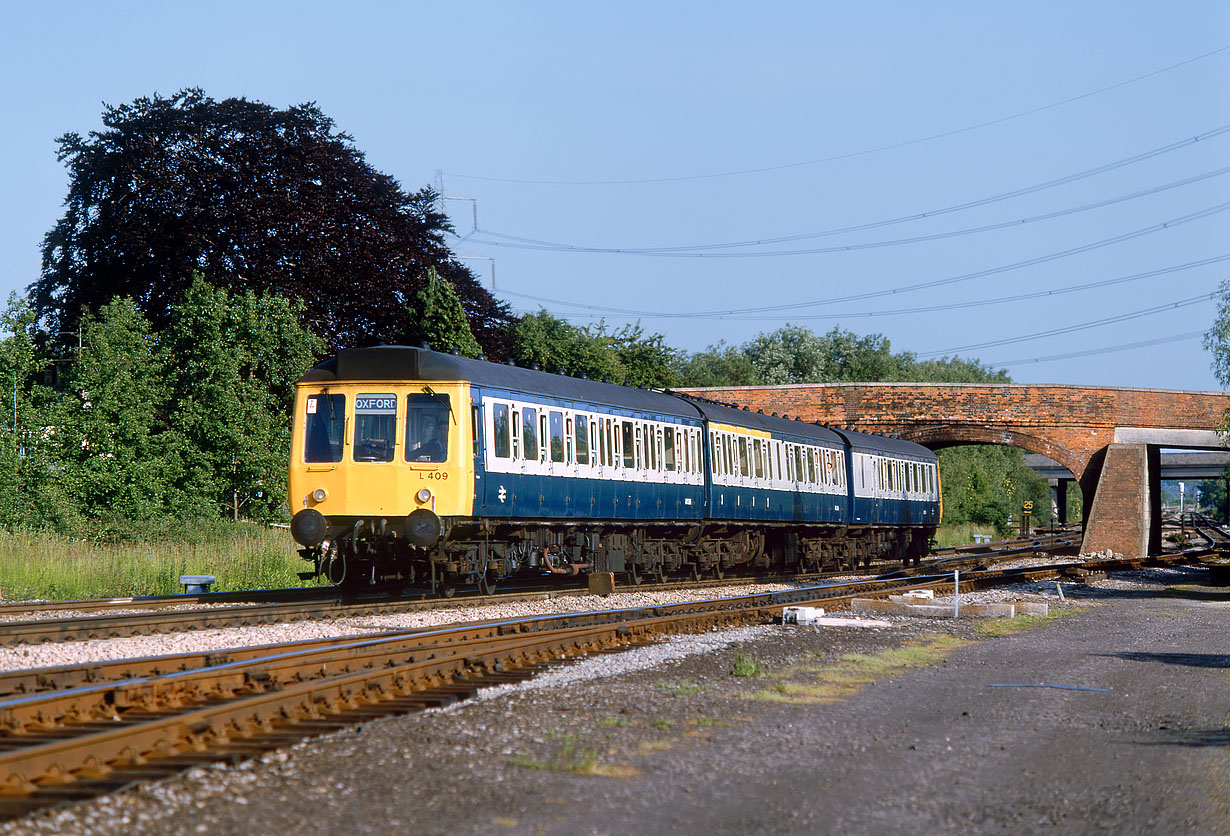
{"type": "Point", "coordinates": [381, 449]}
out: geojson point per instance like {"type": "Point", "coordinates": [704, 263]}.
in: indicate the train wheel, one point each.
{"type": "Point", "coordinates": [448, 586]}
{"type": "Point", "coordinates": [487, 582]}
{"type": "Point", "coordinates": [635, 577]}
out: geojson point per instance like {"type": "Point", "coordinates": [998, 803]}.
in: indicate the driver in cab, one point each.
{"type": "Point", "coordinates": [431, 445]}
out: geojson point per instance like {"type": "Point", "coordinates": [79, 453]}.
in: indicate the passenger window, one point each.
{"type": "Point", "coordinates": [629, 444]}
{"type": "Point", "coordinates": [582, 428]}
{"type": "Point", "coordinates": [758, 457]}
{"type": "Point", "coordinates": [668, 454]}
{"type": "Point", "coordinates": [427, 428]}
{"type": "Point", "coordinates": [556, 428]}
{"type": "Point", "coordinates": [499, 430]}
{"type": "Point", "coordinates": [375, 427]}
{"type": "Point", "coordinates": [326, 422]}
{"type": "Point", "coordinates": [744, 470]}
{"type": "Point", "coordinates": [811, 465]}
{"type": "Point", "coordinates": [529, 434]}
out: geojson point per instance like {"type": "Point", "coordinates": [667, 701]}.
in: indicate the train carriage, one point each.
{"type": "Point", "coordinates": [425, 468]}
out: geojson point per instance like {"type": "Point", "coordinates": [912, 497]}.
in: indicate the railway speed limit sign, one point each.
{"type": "Point", "coordinates": [1028, 505]}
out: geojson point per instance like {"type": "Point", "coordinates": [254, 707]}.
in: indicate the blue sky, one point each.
{"type": "Point", "coordinates": [684, 128]}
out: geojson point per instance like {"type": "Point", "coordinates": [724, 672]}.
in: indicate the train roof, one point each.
{"type": "Point", "coordinates": [886, 444]}
{"type": "Point", "coordinates": [399, 362]}
{"type": "Point", "coordinates": [734, 416]}
{"type": "Point", "coordinates": [724, 414]}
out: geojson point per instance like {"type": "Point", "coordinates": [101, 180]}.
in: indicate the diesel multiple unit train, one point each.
{"type": "Point", "coordinates": [416, 467]}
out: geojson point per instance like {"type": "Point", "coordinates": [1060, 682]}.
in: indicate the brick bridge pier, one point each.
{"type": "Point", "coordinates": [1109, 438]}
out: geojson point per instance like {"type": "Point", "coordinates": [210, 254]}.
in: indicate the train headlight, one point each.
{"type": "Point", "coordinates": [319, 494]}
{"type": "Point", "coordinates": [423, 495]}
{"type": "Point", "coordinates": [309, 527]}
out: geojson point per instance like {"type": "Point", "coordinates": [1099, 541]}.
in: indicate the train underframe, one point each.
{"type": "Point", "coordinates": [481, 554]}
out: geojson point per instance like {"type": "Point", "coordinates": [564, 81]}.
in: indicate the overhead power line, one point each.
{"type": "Point", "coordinates": [857, 297]}
{"type": "Point", "coordinates": [682, 252]}
{"type": "Point", "coordinates": [968, 303]}
{"type": "Point", "coordinates": [851, 154]}
{"type": "Point", "coordinates": [1111, 349]}
{"type": "Point", "coordinates": [1071, 329]}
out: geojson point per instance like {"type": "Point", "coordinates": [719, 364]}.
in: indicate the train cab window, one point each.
{"type": "Point", "coordinates": [582, 436]}
{"type": "Point", "coordinates": [529, 434]}
{"type": "Point", "coordinates": [556, 429]}
{"type": "Point", "coordinates": [427, 427]}
{"type": "Point", "coordinates": [375, 427]}
{"type": "Point", "coordinates": [629, 445]}
{"type": "Point", "coordinates": [326, 422]}
{"type": "Point", "coordinates": [499, 431]}
{"type": "Point", "coordinates": [668, 449]}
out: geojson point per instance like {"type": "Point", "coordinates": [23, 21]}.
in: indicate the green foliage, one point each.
{"type": "Point", "coordinates": [437, 318]}
{"type": "Point", "coordinates": [793, 354]}
{"type": "Point", "coordinates": [1217, 338]}
{"type": "Point", "coordinates": [142, 427]}
{"type": "Point", "coordinates": [746, 666]}
{"type": "Point", "coordinates": [983, 484]}
{"type": "Point", "coordinates": [232, 361]}
{"type": "Point", "coordinates": [145, 560]}
{"type": "Point", "coordinates": [626, 356]}
{"type": "Point", "coordinates": [1213, 497]}
{"type": "Point", "coordinates": [262, 199]}
{"type": "Point", "coordinates": [115, 455]}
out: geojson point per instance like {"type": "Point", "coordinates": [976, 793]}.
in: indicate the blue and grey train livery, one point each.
{"type": "Point", "coordinates": [430, 468]}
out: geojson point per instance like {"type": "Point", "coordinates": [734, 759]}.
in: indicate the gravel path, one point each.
{"type": "Point", "coordinates": [665, 739]}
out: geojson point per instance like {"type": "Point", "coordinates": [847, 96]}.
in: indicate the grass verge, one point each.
{"type": "Point", "coordinates": [41, 565]}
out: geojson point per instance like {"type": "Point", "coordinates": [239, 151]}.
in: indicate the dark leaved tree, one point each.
{"type": "Point", "coordinates": [254, 198]}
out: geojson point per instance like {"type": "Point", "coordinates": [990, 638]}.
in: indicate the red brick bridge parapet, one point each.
{"type": "Point", "coordinates": [1087, 429]}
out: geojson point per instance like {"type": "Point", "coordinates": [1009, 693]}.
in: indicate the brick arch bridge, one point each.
{"type": "Point", "coordinates": [1107, 437]}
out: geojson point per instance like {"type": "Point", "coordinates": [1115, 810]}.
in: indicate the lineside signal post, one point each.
{"type": "Point", "coordinates": [1027, 509]}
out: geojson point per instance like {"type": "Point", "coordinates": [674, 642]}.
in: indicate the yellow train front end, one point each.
{"type": "Point", "coordinates": [378, 470]}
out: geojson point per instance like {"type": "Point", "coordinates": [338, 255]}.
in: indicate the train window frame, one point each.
{"type": "Point", "coordinates": [319, 434]}
{"type": "Point", "coordinates": [581, 438]}
{"type": "Point", "coordinates": [529, 434]}
{"type": "Point", "coordinates": [370, 445]}
{"type": "Point", "coordinates": [757, 458]}
{"type": "Point", "coordinates": [497, 436]}
{"type": "Point", "coordinates": [554, 422]}
{"type": "Point", "coordinates": [627, 442]}
{"type": "Point", "coordinates": [476, 423]}
{"type": "Point", "coordinates": [668, 449]}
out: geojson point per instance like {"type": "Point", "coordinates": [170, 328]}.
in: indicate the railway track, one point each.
{"type": "Point", "coordinates": [77, 731]}
{"type": "Point", "coordinates": [181, 613]}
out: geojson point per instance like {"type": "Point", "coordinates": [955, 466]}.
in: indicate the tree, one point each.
{"type": "Point", "coordinates": [627, 356]}
{"type": "Point", "coordinates": [273, 201]}
{"type": "Point", "coordinates": [112, 449]}
{"type": "Point", "coordinates": [232, 362]}
{"type": "Point", "coordinates": [438, 319]}
{"type": "Point", "coordinates": [1217, 338]}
